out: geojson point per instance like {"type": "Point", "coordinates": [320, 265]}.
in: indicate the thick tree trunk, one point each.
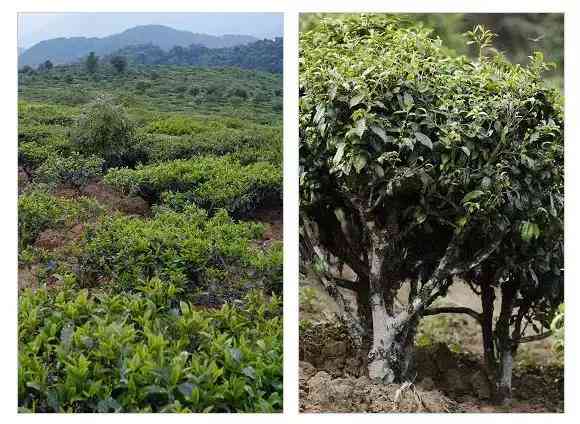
{"type": "Point", "coordinates": [392, 351]}
{"type": "Point", "coordinates": [365, 317]}
{"type": "Point", "coordinates": [504, 385]}
{"type": "Point", "coordinates": [505, 348]}
{"type": "Point", "coordinates": [392, 342]}
{"type": "Point", "coordinates": [487, 299]}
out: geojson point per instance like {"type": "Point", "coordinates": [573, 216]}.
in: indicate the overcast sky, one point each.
{"type": "Point", "coordinates": [35, 27]}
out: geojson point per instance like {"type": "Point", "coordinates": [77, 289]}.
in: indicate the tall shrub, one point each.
{"type": "Point", "coordinates": [104, 129]}
{"type": "Point", "coordinates": [416, 167]}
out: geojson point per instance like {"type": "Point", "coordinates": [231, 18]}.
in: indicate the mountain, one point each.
{"type": "Point", "coordinates": [66, 50]}
{"type": "Point", "coordinates": [263, 55]}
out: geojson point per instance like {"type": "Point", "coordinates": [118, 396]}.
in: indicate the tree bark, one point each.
{"type": "Point", "coordinates": [378, 358]}
{"type": "Point", "coordinates": [364, 315]}
{"type": "Point", "coordinates": [393, 334]}
{"type": "Point", "coordinates": [504, 386]}
{"type": "Point", "coordinates": [505, 347]}
{"type": "Point", "coordinates": [390, 359]}
{"type": "Point", "coordinates": [487, 299]}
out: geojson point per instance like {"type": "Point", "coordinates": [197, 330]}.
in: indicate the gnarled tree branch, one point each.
{"type": "Point", "coordinates": [534, 338]}
{"type": "Point", "coordinates": [453, 310]}
{"type": "Point", "coordinates": [481, 256]}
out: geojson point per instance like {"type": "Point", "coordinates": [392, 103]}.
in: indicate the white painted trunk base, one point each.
{"type": "Point", "coordinates": [384, 333]}
{"type": "Point", "coordinates": [505, 381]}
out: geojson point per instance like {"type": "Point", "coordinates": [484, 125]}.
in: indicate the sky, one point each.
{"type": "Point", "coordinates": [35, 27]}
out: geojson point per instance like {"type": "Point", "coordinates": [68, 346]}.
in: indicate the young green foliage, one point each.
{"type": "Point", "coordinates": [187, 248]}
{"type": "Point", "coordinates": [209, 182]}
{"type": "Point", "coordinates": [38, 210]}
{"type": "Point", "coordinates": [147, 352]}
{"type": "Point", "coordinates": [74, 170]}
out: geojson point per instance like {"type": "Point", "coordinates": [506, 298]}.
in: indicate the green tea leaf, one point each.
{"type": "Point", "coordinates": [356, 100]}
{"type": "Point", "coordinates": [359, 162]}
{"type": "Point", "coordinates": [408, 101]}
{"type": "Point", "coordinates": [424, 140]}
{"type": "Point", "coordinates": [339, 152]}
{"type": "Point", "coordinates": [380, 132]}
{"type": "Point", "coordinates": [472, 195]}
{"type": "Point", "coordinates": [249, 372]}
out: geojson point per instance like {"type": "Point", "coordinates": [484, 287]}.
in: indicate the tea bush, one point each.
{"type": "Point", "coordinates": [73, 88]}
{"type": "Point", "coordinates": [39, 210]}
{"type": "Point", "coordinates": [163, 147]}
{"type": "Point", "coordinates": [104, 129]}
{"type": "Point", "coordinates": [38, 142]}
{"type": "Point", "coordinates": [403, 144]}
{"type": "Point", "coordinates": [74, 170]}
{"type": "Point", "coordinates": [186, 125]}
{"type": "Point", "coordinates": [31, 156]}
{"type": "Point", "coordinates": [41, 133]}
{"type": "Point", "coordinates": [178, 125]}
{"type": "Point", "coordinates": [187, 248]}
{"type": "Point", "coordinates": [209, 182]}
{"type": "Point", "coordinates": [45, 114]}
{"type": "Point", "coordinates": [147, 352]}
{"type": "Point", "coordinates": [257, 154]}
{"type": "Point", "coordinates": [128, 314]}
{"type": "Point", "coordinates": [269, 267]}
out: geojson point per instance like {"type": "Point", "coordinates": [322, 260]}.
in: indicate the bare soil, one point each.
{"type": "Point", "coordinates": [272, 217]}
{"type": "Point", "coordinates": [449, 373]}
{"type": "Point", "coordinates": [52, 239]}
{"type": "Point", "coordinates": [105, 195]}
{"type": "Point", "coordinates": [319, 392]}
{"type": "Point", "coordinates": [60, 241]}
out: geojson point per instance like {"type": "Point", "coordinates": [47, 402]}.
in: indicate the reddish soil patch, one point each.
{"type": "Point", "coordinates": [66, 192]}
{"type": "Point", "coordinates": [52, 239]}
{"type": "Point", "coordinates": [77, 231]}
{"type": "Point", "coordinates": [273, 218]}
{"type": "Point", "coordinates": [132, 205]}
{"type": "Point", "coordinates": [108, 197]}
{"type": "Point", "coordinates": [27, 277]}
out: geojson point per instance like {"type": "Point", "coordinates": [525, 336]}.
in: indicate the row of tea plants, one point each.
{"type": "Point", "coordinates": [173, 309]}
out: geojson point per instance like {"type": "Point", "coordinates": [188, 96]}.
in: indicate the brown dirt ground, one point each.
{"type": "Point", "coordinates": [52, 239]}
{"type": "Point", "coordinates": [450, 375]}
{"type": "Point", "coordinates": [60, 240]}
{"type": "Point", "coordinates": [272, 217]}
{"type": "Point", "coordinates": [130, 205]}
{"type": "Point", "coordinates": [108, 197]}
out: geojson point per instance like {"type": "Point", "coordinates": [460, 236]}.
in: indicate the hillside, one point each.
{"type": "Point", "coordinates": [263, 55]}
{"type": "Point", "coordinates": [248, 95]}
{"type": "Point", "coordinates": [66, 50]}
{"type": "Point", "coordinates": [150, 240]}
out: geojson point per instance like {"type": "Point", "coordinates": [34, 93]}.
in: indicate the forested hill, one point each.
{"type": "Point", "coordinates": [67, 50]}
{"type": "Point", "coordinates": [263, 55]}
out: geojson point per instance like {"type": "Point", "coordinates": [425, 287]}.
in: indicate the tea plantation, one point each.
{"type": "Point", "coordinates": [150, 251]}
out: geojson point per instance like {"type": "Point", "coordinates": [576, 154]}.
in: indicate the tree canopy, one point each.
{"type": "Point", "coordinates": [417, 164]}
{"type": "Point", "coordinates": [119, 63]}
{"type": "Point", "coordinates": [92, 62]}
{"type": "Point", "coordinates": [264, 55]}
